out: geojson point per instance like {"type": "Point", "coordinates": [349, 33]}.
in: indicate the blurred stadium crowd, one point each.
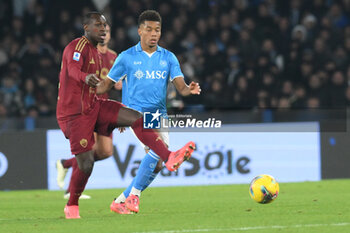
{"type": "Point", "coordinates": [245, 53]}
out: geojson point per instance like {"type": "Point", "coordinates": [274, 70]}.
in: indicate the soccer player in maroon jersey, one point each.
{"type": "Point", "coordinates": [80, 112]}
{"type": "Point", "coordinates": [103, 147]}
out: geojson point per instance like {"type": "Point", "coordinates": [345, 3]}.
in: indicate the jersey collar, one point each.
{"type": "Point", "coordinates": [139, 48]}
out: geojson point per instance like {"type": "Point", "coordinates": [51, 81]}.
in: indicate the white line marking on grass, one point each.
{"type": "Point", "coordinates": [251, 228]}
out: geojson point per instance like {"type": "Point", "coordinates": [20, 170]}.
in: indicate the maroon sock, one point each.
{"type": "Point", "coordinates": [74, 166]}
{"type": "Point", "coordinates": [151, 139]}
{"type": "Point", "coordinates": [69, 162]}
{"type": "Point", "coordinates": [77, 185]}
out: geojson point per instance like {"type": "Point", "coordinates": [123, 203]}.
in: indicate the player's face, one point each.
{"type": "Point", "coordinates": [96, 29]}
{"type": "Point", "coordinates": [150, 32]}
{"type": "Point", "coordinates": [108, 35]}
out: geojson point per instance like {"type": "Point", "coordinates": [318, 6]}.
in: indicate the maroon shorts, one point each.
{"type": "Point", "coordinates": [102, 119]}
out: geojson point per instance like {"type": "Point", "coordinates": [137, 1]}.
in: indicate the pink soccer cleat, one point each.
{"type": "Point", "coordinates": [71, 211]}
{"type": "Point", "coordinates": [178, 157]}
{"type": "Point", "coordinates": [119, 208]}
{"type": "Point", "coordinates": [132, 203]}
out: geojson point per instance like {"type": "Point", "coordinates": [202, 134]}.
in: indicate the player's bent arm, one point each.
{"type": "Point", "coordinates": [104, 86]}
{"type": "Point", "coordinates": [184, 89]}
{"type": "Point", "coordinates": [74, 71]}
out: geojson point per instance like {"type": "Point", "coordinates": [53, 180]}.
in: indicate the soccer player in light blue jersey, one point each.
{"type": "Point", "coordinates": [145, 70]}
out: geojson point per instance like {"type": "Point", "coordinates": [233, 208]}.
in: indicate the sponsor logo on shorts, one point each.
{"type": "Point", "coordinates": [83, 142]}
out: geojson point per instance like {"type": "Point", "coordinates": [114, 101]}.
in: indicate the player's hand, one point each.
{"type": "Point", "coordinates": [118, 86]}
{"type": "Point", "coordinates": [195, 89]}
{"type": "Point", "coordinates": [92, 80]}
{"type": "Point", "coordinates": [121, 129]}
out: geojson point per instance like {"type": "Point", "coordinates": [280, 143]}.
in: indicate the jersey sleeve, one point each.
{"type": "Point", "coordinates": [118, 70]}
{"type": "Point", "coordinates": [175, 70]}
{"type": "Point", "coordinates": [75, 59]}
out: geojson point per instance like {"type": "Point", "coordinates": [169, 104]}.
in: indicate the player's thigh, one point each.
{"type": "Point", "coordinates": [79, 130]}
{"type": "Point", "coordinates": [107, 117]}
{"type": "Point", "coordinates": [127, 116]}
{"type": "Point", "coordinates": [103, 146]}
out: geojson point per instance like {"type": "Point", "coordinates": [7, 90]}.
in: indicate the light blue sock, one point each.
{"type": "Point", "coordinates": [145, 174]}
{"type": "Point", "coordinates": [151, 178]}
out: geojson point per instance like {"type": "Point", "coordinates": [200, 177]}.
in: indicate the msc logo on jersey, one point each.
{"type": "Point", "coordinates": [158, 74]}
{"type": "Point", "coordinates": [76, 56]}
{"type": "Point", "coordinates": [154, 74]}
{"type": "Point", "coordinates": [151, 120]}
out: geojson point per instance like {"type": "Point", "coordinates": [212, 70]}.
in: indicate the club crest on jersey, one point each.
{"type": "Point", "coordinates": [162, 63]}
{"type": "Point", "coordinates": [76, 56]}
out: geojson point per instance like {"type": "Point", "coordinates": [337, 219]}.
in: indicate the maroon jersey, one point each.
{"type": "Point", "coordinates": [107, 63]}
{"type": "Point", "coordinates": [79, 59]}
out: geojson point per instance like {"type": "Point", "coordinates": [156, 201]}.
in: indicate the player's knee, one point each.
{"type": "Point", "coordinates": [104, 152]}
{"type": "Point", "coordinates": [137, 115]}
{"type": "Point", "coordinates": [159, 166]}
{"type": "Point", "coordinates": [88, 165]}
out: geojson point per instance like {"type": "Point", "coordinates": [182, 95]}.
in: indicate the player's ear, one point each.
{"type": "Point", "coordinates": [139, 31]}
{"type": "Point", "coordinates": [86, 26]}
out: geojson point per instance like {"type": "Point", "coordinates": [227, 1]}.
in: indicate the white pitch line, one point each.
{"type": "Point", "coordinates": [251, 228]}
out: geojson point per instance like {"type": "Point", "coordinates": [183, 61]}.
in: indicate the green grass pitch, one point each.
{"type": "Point", "coordinates": [308, 207]}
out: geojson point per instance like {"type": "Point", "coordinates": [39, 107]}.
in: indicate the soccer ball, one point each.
{"type": "Point", "coordinates": [264, 189]}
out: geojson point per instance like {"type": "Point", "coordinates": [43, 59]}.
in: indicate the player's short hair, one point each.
{"type": "Point", "coordinates": [149, 15]}
{"type": "Point", "coordinates": [91, 15]}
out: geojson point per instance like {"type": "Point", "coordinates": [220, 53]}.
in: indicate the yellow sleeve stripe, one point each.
{"type": "Point", "coordinates": [79, 42]}
{"type": "Point", "coordinates": [81, 46]}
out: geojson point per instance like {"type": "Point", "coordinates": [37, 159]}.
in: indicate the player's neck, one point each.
{"type": "Point", "coordinates": [148, 49]}
{"type": "Point", "coordinates": [94, 43]}
{"type": "Point", "coordinates": [102, 48]}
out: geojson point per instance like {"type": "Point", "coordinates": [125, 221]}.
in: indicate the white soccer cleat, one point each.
{"type": "Point", "coordinates": [82, 196]}
{"type": "Point", "coordinates": [61, 173]}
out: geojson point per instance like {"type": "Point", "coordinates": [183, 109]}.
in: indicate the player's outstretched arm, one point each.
{"type": "Point", "coordinates": [184, 89]}
{"type": "Point", "coordinates": [104, 86]}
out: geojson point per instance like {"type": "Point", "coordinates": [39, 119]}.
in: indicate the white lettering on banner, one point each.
{"type": "Point", "coordinates": [3, 164]}
{"type": "Point", "coordinates": [221, 157]}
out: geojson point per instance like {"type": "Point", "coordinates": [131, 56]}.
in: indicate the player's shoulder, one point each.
{"type": "Point", "coordinates": [131, 51]}
{"type": "Point", "coordinates": [78, 44]}
{"type": "Point", "coordinates": [126, 54]}
{"type": "Point", "coordinates": [165, 51]}
{"type": "Point", "coordinates": [111, 51]}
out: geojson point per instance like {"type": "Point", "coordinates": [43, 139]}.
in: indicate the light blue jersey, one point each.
{"type": "Point", "coordinates": [145, 77]}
